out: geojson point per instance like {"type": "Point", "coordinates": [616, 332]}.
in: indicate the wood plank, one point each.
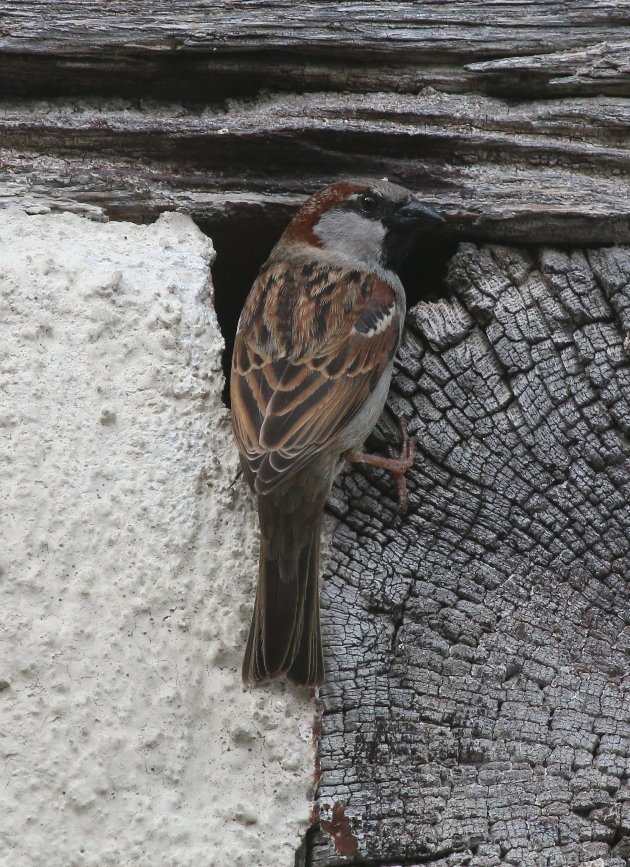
{"type": "Point", "coordinates": [381, 27]}
{"type": "Point", "coordinates": [553, 170]}
{"type": "Point", "coordinates": [603, 68]}
{"type": "Point", "coordinates": [201, 50]}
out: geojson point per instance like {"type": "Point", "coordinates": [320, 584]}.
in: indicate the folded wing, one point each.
{"type": "Point", "coordinates": [309, 352]}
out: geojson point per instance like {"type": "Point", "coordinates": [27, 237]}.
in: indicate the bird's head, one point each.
{"type": "Point", "coordinates": [371, 221]}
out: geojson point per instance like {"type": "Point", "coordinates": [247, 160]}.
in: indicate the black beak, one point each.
{"type": "Point", "coordinates": [413, 216]}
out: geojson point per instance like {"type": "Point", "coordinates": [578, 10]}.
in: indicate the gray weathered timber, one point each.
{"type": "Point", "coordinates": [460, 101]}
{"type": "Point", "coordinates": [374, 45]}
{"type": "Point", "coordinates": [477, 705]}
{"type": "Point", "coordinates": [383, 26]}
{"type": "Point", "coordinates": [551, 170]}
{"type": "Point", "coordinates": [602, 68]}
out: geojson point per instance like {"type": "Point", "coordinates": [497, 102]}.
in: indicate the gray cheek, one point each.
{"type": "Point", "coordinates": [351, 234]}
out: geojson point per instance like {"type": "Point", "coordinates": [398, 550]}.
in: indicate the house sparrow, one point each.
{"type": "Point", "coordinates": [312, 363]}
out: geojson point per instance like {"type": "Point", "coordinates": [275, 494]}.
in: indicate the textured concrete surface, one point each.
{"type": "Point", "coordinates": [127, 567]}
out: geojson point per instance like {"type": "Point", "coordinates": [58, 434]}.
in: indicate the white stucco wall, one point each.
{"type": "Point", "coordinates": [127, 567]}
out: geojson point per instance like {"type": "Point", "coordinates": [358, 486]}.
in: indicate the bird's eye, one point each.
{"type": "Point", "coordinates": [368, 202]}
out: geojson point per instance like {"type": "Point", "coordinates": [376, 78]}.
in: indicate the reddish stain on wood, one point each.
{"type": "Point", "coordinates": [340, 829]}
{"type": "Point", "coordinates": [317, 733]}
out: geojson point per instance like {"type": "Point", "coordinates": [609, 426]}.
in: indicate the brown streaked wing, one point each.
{"type": "Point", "coordinates": [288, 408]}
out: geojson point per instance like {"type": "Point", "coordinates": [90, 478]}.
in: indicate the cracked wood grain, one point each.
{"type": "Point", "coordinates": [477, 705]}
{"type": "Point", "coordinates": [199, 48]}
{"type": "Point", "coordinates": [511, 120]}
{"type": "Point", "coordinates": [429, 25]}
{"type": "Point", "coordinates": [554, 171]}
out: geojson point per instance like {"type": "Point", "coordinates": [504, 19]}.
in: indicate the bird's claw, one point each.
{"type": "Point", "coordinates": [397, 465]}
{"type": "Point", "coordinates": [401, 463]}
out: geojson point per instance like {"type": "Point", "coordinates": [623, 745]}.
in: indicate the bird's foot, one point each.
{"type": "Point", "coordinates": [397, 465]}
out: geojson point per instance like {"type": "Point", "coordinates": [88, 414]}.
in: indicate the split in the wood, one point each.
{"type": "Point", "coordinates": [397, 466]}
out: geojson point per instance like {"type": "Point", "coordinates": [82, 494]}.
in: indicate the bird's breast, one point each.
{"type": "Point", "coordinates": [362, 424]}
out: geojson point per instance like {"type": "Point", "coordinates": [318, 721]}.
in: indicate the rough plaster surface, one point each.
{"type": "Point", "coordinates": [127, 566]}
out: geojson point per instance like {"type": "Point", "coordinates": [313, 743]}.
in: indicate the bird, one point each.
{"type": "Point", "coordinates": [311, 368]}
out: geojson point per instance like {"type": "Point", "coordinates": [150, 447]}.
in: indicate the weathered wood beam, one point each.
{"type": "Point", "coordinates": [203, 50]}
{"type": "Point", "coordinates": [555, 171]}
{"type": "Point", "coordinates": [603, 68]}
{"type": "Point", "coordinates": [386, 27]}
{"type": "Point", "coordinates": [580, 130]}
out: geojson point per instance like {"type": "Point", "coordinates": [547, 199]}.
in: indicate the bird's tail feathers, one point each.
{"type": "Point", "coordinates": [284, 636]}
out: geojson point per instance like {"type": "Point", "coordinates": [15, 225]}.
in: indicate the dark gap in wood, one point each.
{"type": "Point", "coordinates": [184, 77]}
{"type": "Point", "coordinates": [202, 78]}
{"type": "Point", "coordinates": [242, 242]}
{"type": "Point", "coordinates": [304, 850]}
{"type": "Point", "coordinates": [424, 273]}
